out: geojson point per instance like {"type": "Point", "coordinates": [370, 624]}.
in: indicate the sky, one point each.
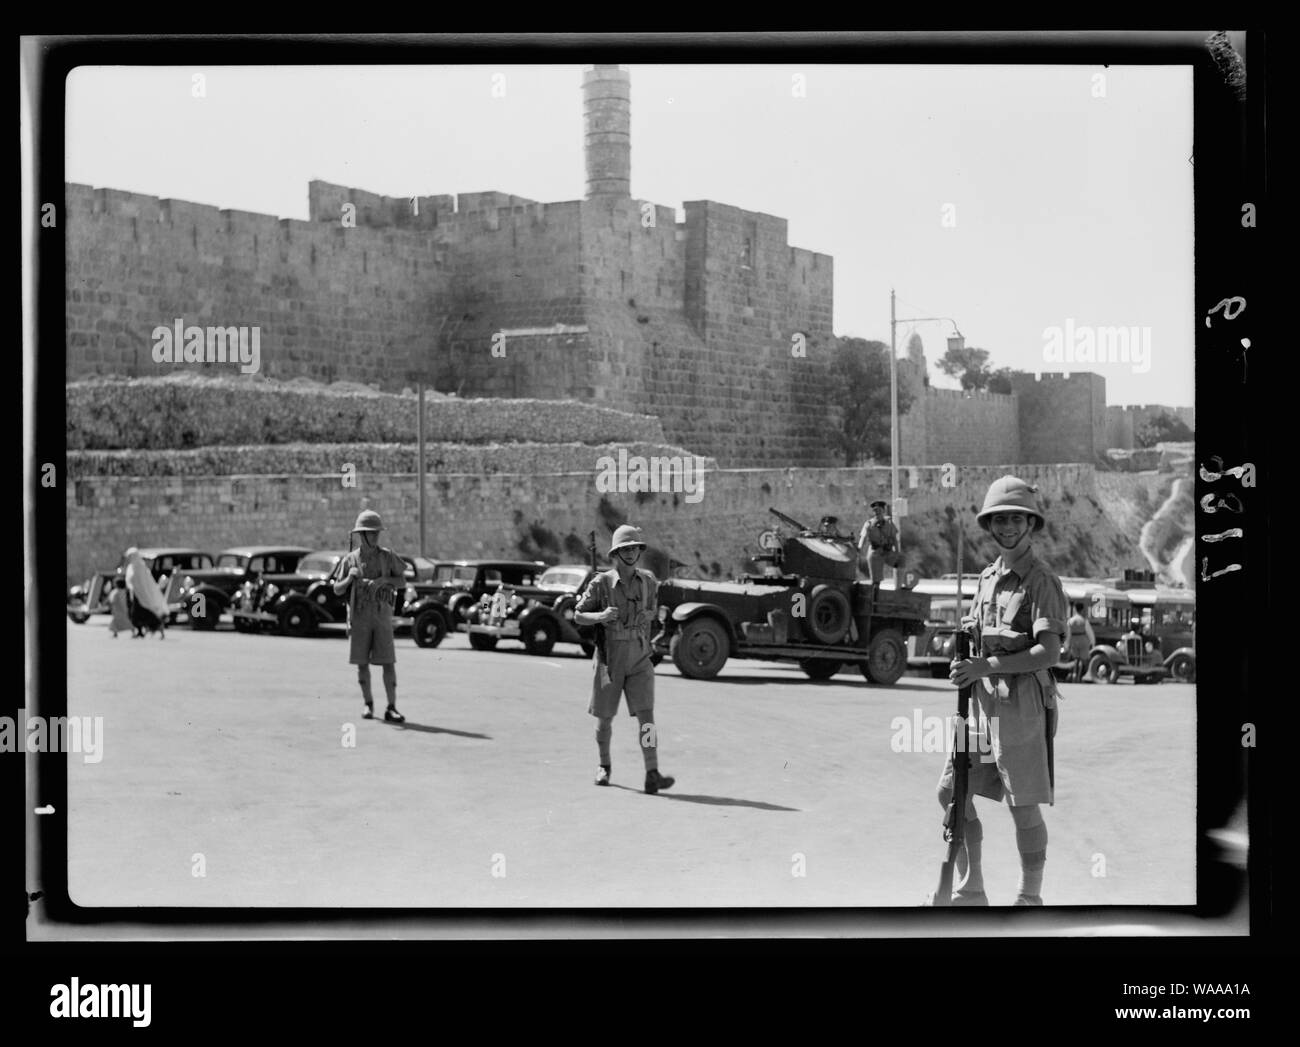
{"type": "Point", "coordinates": [1032, 205]}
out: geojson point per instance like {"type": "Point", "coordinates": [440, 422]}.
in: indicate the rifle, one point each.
{"type": "Point", "coordinates": [786, 519]}
{"type": "Point", "coordinates": [599, 629]}
{"type": "Point", "coordinates": [954, 820]}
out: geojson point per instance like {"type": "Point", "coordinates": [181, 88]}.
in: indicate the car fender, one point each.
{"type": "Point", "coordinates": [416, 609]}
{"type": "Point", "coordinates": [280, 603]}
{"type": "Point", "coordinates": [1189, 652]}
{"type": "Point", "coordinates": [686, 612]}
{"type": "Point", "coordinates": [210, 593]}
{"type": "Point", "coordinates": [1111, 652]}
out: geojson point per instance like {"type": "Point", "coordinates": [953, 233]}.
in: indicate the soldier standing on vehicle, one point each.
{"type": "Point", "coordinates": [1018, 624]}
{"type": "Point", "coordinates": [881, 533]}
{"type": "Point", "coordinates": [1082, 641]}
{"type": "Point", "coordinates": [625, 601]}
{"type": "Point", "coordinates": [373, 574]}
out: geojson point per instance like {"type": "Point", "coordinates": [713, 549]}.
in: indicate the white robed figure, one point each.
{"type": "Point", "coordinates": [143, 588]}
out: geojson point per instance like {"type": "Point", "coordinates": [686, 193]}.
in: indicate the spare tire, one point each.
{"type": "Point", "coordinates": [828, 614]}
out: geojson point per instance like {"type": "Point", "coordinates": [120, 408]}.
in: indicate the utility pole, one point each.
{"type": "Point", "coordinates": [957, 341]}
{"type": "Point", "coordinates": [419, 456]}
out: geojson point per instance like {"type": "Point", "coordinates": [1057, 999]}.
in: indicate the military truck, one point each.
{"type": "Point", "coordinates": [803, 602]}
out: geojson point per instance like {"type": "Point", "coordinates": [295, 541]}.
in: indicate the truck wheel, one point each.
{"type": "Point", "coordinates": [820, 668]}
{"type": "Point", "coordinates": [701, 648]}
{"type": "Point", "coordinates": [539, 634]}
{"type": "Point", "coordinates": [1183, 669]}
{"type": "Point", "coordinates": [1102, 669]}
{"type": "Point", "coordinates": [78, 617]}
{"type": "Point", "coordinates": [828, 614]}
{"type": "Point", "coordinates": [482, 642]}
{"type": "Point", "coordinates": [886, 658]}
{"type": "Point", "coordinates": [428, 629]}
{"type": "Point", "coordinates": [296, 620]}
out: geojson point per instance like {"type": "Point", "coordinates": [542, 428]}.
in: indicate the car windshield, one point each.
{"type": "Point", "coordinates": [187, 562]}
{"type": "Point", "coordinates": [453, 573]}
{"type": "Point", "coordinates": [318, 564]}
{"type": "Point", "coordinates": [566, 577]}
{"type": "Point", "coordinates": [231, 562]}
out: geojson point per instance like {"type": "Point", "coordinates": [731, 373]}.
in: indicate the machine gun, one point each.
{"type": "Point", "coordinates": [599, 629]}
{"type": "Point", "coordinates": [954, 820]}
{"type": "Point", "coordinates": [788, 520]}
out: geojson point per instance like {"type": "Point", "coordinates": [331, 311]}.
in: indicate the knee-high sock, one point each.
{"type": "Point", "coordinates": [649, 740]}
{"type": "Point", "coordinates": [363, 678]}
{"type": "Point", "coordinates": [390, 685]}
{"type": "Point", "coordinates": [604, 730]}
{"type": "Point", "coordinates": [1032, 844]}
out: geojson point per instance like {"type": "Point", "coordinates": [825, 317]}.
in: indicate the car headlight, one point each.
{"type": "Point", "coordinates": [409, 595]}
{"type": "Point", "coordinates": [271, 592]}
{"type": "Point", "coordinates": [322, 598]}
{"type": "Point", "coordinates": [1150, 647]}
{"type": "Point", "coordinates": [663, 614]}
{"type": "Point", "coordinates": [568, 614]}
{"type": "Point", "coordinates": [187, 583]}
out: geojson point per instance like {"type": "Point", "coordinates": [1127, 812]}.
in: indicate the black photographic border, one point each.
{"type": "Point", "coordinates": [1229, 160]}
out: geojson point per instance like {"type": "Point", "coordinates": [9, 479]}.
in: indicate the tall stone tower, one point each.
{"type": "Point", "coordinates": [607, 117]}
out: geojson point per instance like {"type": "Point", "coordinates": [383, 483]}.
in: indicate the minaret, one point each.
{"type": "Point", "coordinates": [607, 117]}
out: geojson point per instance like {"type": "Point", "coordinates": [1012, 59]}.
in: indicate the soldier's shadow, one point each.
{"type": "Point", "coordinates": [717, 801]}
{"type": "Point", "coordinates": [429, 729]}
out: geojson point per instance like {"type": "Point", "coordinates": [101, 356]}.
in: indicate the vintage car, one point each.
{"type": "Point", "coordinates": [1160, 642]}
{"type": "Point", "coordinates": [299, 604]}
{"type": "Point", "coordinates": [169, 567]}
{"type": "Point", "coordinates": [540, 615]}
{"type": "Point", "coordinates": [208, 594]}
{"type": "Point", "coordinates": [807, 604]}
{"type": "Point", "coordinates": [450, 598]}
{"type": "Point", "coordinates": [91, 596]}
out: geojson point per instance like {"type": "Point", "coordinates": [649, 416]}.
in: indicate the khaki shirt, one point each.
{"type": "Point", "coordinates": [627, 641]}
{"type": "Point", "coordinates": [379, 563]}
{"type": "Point", "coordinates": [882, 535]}
{"type": "Point", "coordinates": [1013, 604]}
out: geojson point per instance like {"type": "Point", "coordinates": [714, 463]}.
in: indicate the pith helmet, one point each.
{"type": "Point", "coordinates": [1010, 494]}
{"type": "Point", "coordinates": [625, 537]}
{"type": "Point", "coordinates": [368, 520]}
{"type": "Point", "coordinates": [879, 502]}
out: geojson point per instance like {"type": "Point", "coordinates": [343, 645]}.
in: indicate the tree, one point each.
{"type": "Point", "coordinates": [860, 388]}
{"type": "Point", "coordinates": [1000, 380]}
{"type": "Point", "coordinates": [1163, 428]}
{"type": "Point", "coordinates": [968, 364]}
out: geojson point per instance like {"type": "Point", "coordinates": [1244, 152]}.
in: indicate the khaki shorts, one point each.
{"type": "Point", "coordinates": [1022, 766]}
{"type": "Point", "coordinates": [606, 691]}
{"type": "Point", "coordinates": [372, 643]}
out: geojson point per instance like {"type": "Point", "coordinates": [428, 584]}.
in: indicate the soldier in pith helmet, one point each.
{"type": "Point", "coordinates": [1018, 624]}
{"type": "Point", "coordinates": [625, 601]}
{"type": "Point", "coordinates": [371, 576]}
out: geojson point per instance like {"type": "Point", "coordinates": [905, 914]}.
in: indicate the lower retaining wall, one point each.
{"type": "Point", "coordinates": [548, 516]}
{"type": "Point", "coordinates": [313, 459]}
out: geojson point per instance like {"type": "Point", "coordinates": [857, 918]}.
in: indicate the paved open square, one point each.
{"type": "Point", "coordinates": [245, 758]}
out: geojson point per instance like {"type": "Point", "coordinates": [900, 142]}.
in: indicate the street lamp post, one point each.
{"type": "Point", "coordinates": [955, 342]}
